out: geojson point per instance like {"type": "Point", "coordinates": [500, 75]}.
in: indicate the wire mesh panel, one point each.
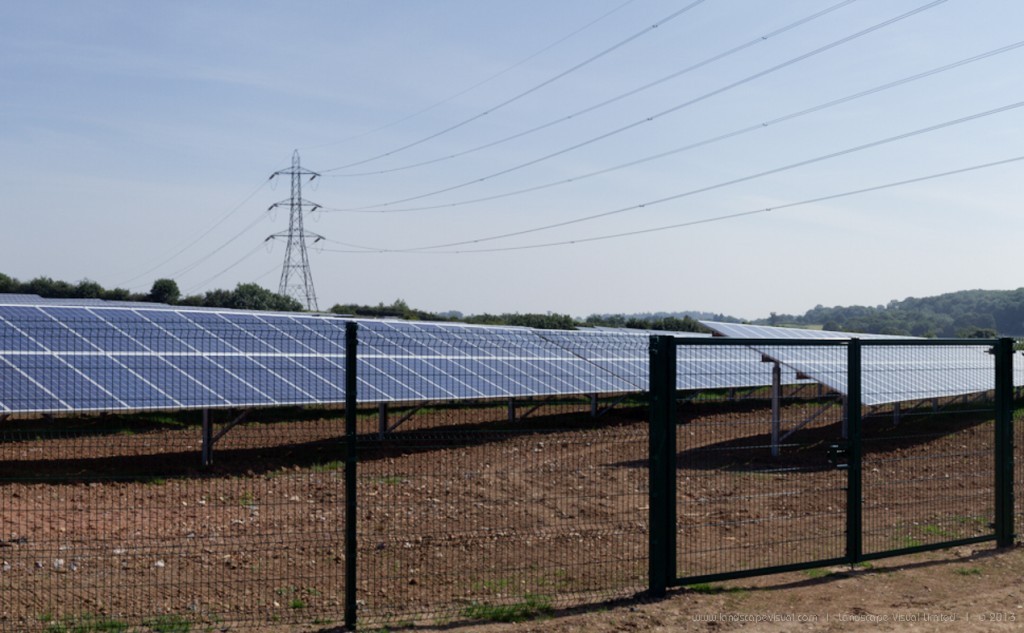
{"type": "Point", "coordinates": [928, 446]}
{"type": "Point", "coordinates": [760, 478]}
{"type": "Point", "coordinates": [1018, 454]}
{"type": "Point", "coordinates": [503, 506]}
{"type": "Point", "coordinates": [110, 521]}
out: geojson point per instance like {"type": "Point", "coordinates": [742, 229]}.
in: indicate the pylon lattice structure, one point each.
{"type": "Point", "coordinates": [296, 278]}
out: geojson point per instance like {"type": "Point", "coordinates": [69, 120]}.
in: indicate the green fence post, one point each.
{"type": "Point", "coordinates": [661, 564]}
{"type": "Point", "coordinates": [351, 402]}
{"type": "Point", "coordinates": [854, 439]}
{"type": "Point", "coordinates": [1004, 518]}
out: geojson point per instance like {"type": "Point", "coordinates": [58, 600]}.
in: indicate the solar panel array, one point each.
{"type": "Point", "coordinates": [70, 355]}
{"type": "Point", "coordinates": [896, 373]}
{"type": "Point", "coordinates": [90, 355]}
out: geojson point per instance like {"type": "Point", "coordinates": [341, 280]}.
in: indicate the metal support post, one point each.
{"type": "Point", "coordinates": [844, 432]}
{"type": "Point", "coordinates": [776, 407]}
{"type": "Point", "coordinates": [351, 508]}
{"type": "Point", "coordinates": [662, 502]}
{"type": "Point", "coordinates": [854, 492]}
{"type": "Point", "coordinates": [207, 452]}
{"type": "Point", "coordinates": [1004, 443]}
{"type": "Point", "coordinates": [382, 418]}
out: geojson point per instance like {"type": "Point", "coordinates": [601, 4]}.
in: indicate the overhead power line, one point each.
{"type": "Point", "coordinates": [703, 143]}
{"type": "Point", "coordinates": [220, 248]}
{"type": "Point", "coordinates": [482, 82]}
{"type": "Point", "coordinates": [519, 96]}
{"type": "Point", "coordinates": [195, 241]}
{"type": "Point", "coordinates": [202, 284]}
{"type": "Point", "coordinates": [720, 185]}
{"type": "Point", "coordinates": [671, 110]}
{"type": "Point", "coordinates": [709, 60]}
{"type": "Point", "coordinates": [718, 218]}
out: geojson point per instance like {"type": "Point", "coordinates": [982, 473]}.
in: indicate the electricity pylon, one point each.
{"type": "Point", "coordinates": [296, 278]}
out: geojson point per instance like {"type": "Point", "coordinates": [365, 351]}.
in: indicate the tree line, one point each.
{"type": "Point", "coordinates": [544, 321]}
{"type": "Point", "coordinates": [254, 297]}
{"type": "Point", "coordinates": [963, 314]}
{"type": "Point", "coordinates": [967, 313]}
{"type": "Point", "coordinates": [244, 296]}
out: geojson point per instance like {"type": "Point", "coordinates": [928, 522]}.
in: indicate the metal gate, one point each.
{"type": "Point", "coordinates": [773, 455]}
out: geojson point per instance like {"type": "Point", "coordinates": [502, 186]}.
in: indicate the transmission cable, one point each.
{"type": "Point", "coordinates": [620, 97]}
{"type": "Point", "coordinates": [201, 235]}
{"type": "Point", "coordinates": [476, 85]}
{"type": "Point", "coordinates": [519, 96]}
{"type": "Point", "coordinates": [735, 133]}
{"type": "Point", "coordinates": [239, 261]}
{"type": "Point", "coordinates": [776, 170]}
{"type": "Point", "coordinates": [663, 113]}
{"type": "Point", "coordinates": [199, 261]}
{"type": "Point", "coordinates": [719, 218]}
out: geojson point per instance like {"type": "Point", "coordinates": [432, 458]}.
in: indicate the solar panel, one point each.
{"type": "Point", "coordinates": [57, 356]}
{"type": "Point", "coordinates": [890, 373]}
{"type": "Point", "coordinates": [742, 330]}
{"type": "Point", "coordinates": [13, 298]}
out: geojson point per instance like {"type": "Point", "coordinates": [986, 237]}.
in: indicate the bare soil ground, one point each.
{"type": "Point", "coordinates": [108, 526]}
{"type": "Point", "coordinates": [964, 589]}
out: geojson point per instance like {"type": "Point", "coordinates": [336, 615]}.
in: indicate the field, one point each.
{"type": "Point", "coordinates": [963, 589]}
{"type": "Point", "coordinates": [111, 524]}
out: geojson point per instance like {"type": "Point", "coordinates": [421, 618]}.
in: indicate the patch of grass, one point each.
{"type": "Point", "coordinates": [819, 572]}
{"type": "Point", "coordinates": [560, 580]}
{"type": "Point", "coordinates": [531, 606]}
{"type": "Point", "coordinates": [710, 589]}
{"type": "Point", "coordinates": [973, 520]}
{"type": "Point", "coordinates": [168, 624]}
{"type": "Point", "coordinates": [298, 597]}
{"type": "Point", "coordinates": [907, 541]}
{"type": "Point", "coordinates": [392, 480]}
{"type": "Point", "coordinates": [247, 499]}
{"type": "Point", "coordinates": [936, 530]}
{"type": "Point", "coordinates": [325, 467]}
{"type": "Point", "coordinates": [968, 571]}
{"type": "Point", "coordinates": [87, 624]}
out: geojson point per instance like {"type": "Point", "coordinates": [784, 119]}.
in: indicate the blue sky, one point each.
{"type": "Point", "coordinates": [137, 140]}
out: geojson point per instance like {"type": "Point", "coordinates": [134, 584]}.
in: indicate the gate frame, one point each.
{"type": "Point", "coordinates": [662, 545]}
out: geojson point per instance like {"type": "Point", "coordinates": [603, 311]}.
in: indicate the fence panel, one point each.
{"type": "Point", "coordinates": [761, 483]}
{"type": "Point", "coordinates": [112, 521]}
{"type": "Point", "coordinates": [499, 474]}
{"type": "Point", "coordinates": [503, 506]}
{"type": "Point", "coordinates": [929, 476]}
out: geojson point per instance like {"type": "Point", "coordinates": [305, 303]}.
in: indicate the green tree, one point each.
{"type": "Point", "coordinates": [9, 284]}
{"type": "Point", "coordinates": [46, 287]}
{"type": "Point", "coordinates": [120, 294]}
{"type": "Point", "coordinates": [164, 291]}
{"type": "Point", "coordinates": [87, 289]}
{"type": "Point", "coordinates": [251, 297]}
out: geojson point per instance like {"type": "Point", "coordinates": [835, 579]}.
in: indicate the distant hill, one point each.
{"type": "Point", "coordinates": [967, 313]}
